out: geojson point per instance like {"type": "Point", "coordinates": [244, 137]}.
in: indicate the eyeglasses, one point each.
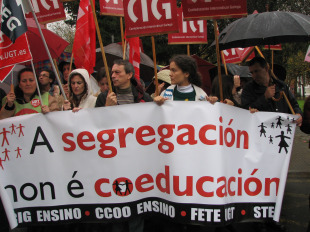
{"type": "Point", "coordinates": [43, 75]}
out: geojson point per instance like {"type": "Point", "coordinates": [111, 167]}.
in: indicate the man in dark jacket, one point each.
{"type": "Point", "coordinates": [126, 89]}
{"type": "Point", "coordinates": [264, 92]}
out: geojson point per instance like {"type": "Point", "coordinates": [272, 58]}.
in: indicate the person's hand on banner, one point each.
{"type": "Point", "coordinates": [299, 120]}
{"type": "Point", "coordinates": [66, 105]}
{"type": "Point", "coordinates": [212, 99]}
{"type": "Point", "coordinates": [76, 109]}
{"type": "Point", "coordinates": [159, 100]}
{"type": "Point", "coordinates": [111, 99]}
{"type": "Point", "coordinates": [228, 102]}
{"type": "Point", "coordinates": [253, 110]}
{"type": "Point", "coordinates": [45, 109]}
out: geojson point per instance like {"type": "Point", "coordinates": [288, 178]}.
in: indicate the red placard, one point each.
{"type": "Point", "coordinates": [150, 17]}
{"type": "Point", "coordinates": [190, 32]}
{"type": "Point", "coordinates": [214, 9]}
{"type": "Point", "coordinates": [13, 53]}
{"type": "Point", "coordinates": [277, 47]}
{"type": "Point", "coordinates": [237, 55]}
{"type": "Point", "coordinates": [111, 7]}
{"type": "Point", "coordinates": [48, 10]}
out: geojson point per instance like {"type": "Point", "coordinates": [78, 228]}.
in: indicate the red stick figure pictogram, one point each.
{"type": "Point", "coordinates": [13, 129]}
{"type": "Point", "coordinates": [18, 152]}
{"type": "Point", "coordinates": [6, 151]}
{"type": "Point", "coordinates": [20, 127]}
{"type": "Point", "coordinates": [5, 139]}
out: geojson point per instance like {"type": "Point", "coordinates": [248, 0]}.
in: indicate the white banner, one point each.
{"type": "Point", "coordinates": [192, 162]}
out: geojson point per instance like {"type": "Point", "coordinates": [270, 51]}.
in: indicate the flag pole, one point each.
{"type": "Point", "coordinates": [122, 35]}
{"type": "Point", "coordinates": [155, 66]}
{"type": "Point", "coordinates": [12, 81]}
{"type": "Point", "coordinates": [71, 62]}
{"type": "Point", "coordinates": [47, 50]}
{"type": "Point", "coordinates": [259, 52]}
{"type": "Point", "coordinates": [224, 62]}
{"type": "Point", "coordinates": [101, 45]}
{"type": "Point", "coordinates": [219, 74]}
{"type": "Point", "coordinates": [188, 50]}
{"type": "Point", "coordinates": [124, 50]}
{"type": "Point", "coordinates": [55, 62]}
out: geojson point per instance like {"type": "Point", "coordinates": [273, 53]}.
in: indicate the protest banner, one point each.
{"type": "Point", "coordinates": [213, 9]}
{"type": "Point", "coordinates": [112, 7]}
{"type": "Point", "coordinates": [190, 32]}
{"type": "Point", "coordinates": [145, 18]}
{"type": "Point", "coordinates": [48, 11]}
{"type": "Point", "coordinates": [238, 55]}
{"type": "Point", "coordinates": [208, 164]}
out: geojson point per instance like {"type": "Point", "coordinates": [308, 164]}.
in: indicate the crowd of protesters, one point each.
{"type": "Point", "coordinates": [181, 82]}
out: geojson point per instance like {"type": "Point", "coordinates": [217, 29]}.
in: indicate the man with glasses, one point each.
{"type": "Point", "coordinates": [46, 81]}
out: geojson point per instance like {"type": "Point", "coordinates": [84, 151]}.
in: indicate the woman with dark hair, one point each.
{"type": "Point", "coordinates": [80, 94]}
{"type": "Point", "coordinates": [185, 81]}
{"type": "Point", "coordinates": [25, 99]}
{"type": "Point", "coordinates": [228, 90]}
{"type": "Point", "coordinates": [64, 68]}
{"type": "Point", "coordinates": [102, 80]}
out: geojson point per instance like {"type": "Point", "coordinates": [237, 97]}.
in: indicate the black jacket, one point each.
{"type": "Point", "coordinates": [305, 127]}
{"type": "Point", "coordinates": [253, 96]}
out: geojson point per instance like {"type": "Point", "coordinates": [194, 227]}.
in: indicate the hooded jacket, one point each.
{"type": "Point", "coordinates": [88, 100]}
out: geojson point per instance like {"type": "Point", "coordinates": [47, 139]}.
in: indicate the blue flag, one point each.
{"type": "Point", "coordinates": [13, 22]}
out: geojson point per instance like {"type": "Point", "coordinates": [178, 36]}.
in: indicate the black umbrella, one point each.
{"type": "Point", "coordinates": [268, 28]}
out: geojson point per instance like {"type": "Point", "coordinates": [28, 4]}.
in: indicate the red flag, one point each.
{"type": "Point", "coordinates": [4, 72]}
{"type": "Point", "coordinates": [84, 45]}
{"type": "Point", "coordinates": [134, 54]}
{"type": "Point", "coordinates": [12, 53]}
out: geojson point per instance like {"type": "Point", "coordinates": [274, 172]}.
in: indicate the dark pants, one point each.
{"type": "Point", "coordinates": [4, 224]}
